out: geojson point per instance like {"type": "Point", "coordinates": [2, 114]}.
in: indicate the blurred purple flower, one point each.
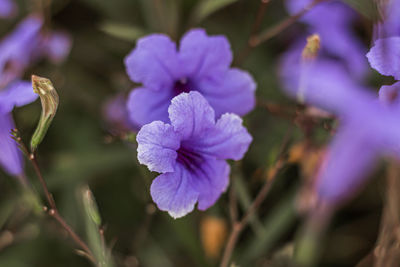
{"type": "Point", "coordinates": [390, 24]}
{"type": "Point", "coordinates": [369, 128]}
{"type": "Point", "coordinates": [56, 46]}
{"type": "Point", "coordinates": [8, 8]}
{"type": "Point", "coordinates": [116, 114]}
{"type": "Point", "coordinates": [16, 94]}
{"type": "Point", "coordinates": [25, 45]}
{"type": "Point", "coordinates": [334, 21]}
{"type": "Point", "coordinates": [191, 154]}
{"type": "Point", "coordinates": [201, 64]}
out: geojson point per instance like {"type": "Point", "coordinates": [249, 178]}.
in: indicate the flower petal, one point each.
{"type": "Point", "coordinates": [8, 8]}
{"type": "Point", "coordinates": [227, 140]}
{"type": "Point", "coordinates": [212, 179]}
{"type": "Point", "coordinates": [234, 93]}
{"type": "Point", "coordinates": [390, 26]}
{"type": "Point", "coordinates": [10, 156]}
{"type": "Point", "coordinates": [384, 56]}
{"type": "Point", "coordinates": [18, 47]}
{"type": "Point", "coordinates": [323, 83]}
{"type": "Point", "coordinates": [350, 158]}
{"type": "Point", "coordinates": [116, 114]}
{"type": "Point", "coordinates": [154, 62]}
{"type": "Point", "coordinates": [57, 46]}
{"type": "Point", "coordinates": [191, 115]}
{"type": "Point", "coordinates": [157, 145]}
{"type": "Point", "coordinates": [173, 192]}
{"type": "Point", "coordinates": [145, 106]}
{"type": "Point", "coordinates": [17, 94]}
{"type": "Point", "coordinates": [204, 56]}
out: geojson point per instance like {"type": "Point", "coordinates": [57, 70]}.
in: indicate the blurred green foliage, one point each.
{"type": "Point", "coordinates": [80, 150]}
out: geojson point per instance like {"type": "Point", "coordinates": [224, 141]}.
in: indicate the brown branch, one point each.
{"type": "Point", "coordinates": [53, 211]}
{"type": "Point", "coordinates": [254, 30]}
{"type": "Point", "coordinates": [238, 226]}
{"type": "Point", "coordinates": [256, 40]}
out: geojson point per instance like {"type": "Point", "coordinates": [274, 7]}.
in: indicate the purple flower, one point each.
{"type": "Point", "coordinates": [25, 45]}
{"type": "Point", "coordinates": [322, 82]}
{"type": "Point", "coordinates": [334, 21]}
{"type": "Point", "coordinates": [117, 115]}
{"type": "Point", "coordinates": [390, 24]}
{"type": "Point", "coordinates": [14, 95]}
{"type": "Point", "coordinates": [201, 64]}
{"type": "Point", "coordinates": [190, 153]}
{"type": "Point", "coordinates": [368, 130]}
{"type": "Point", "coordinates": [7, 8]}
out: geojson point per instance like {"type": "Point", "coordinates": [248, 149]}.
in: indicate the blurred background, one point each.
{"type": "Point", "coordinates": [83, 147]}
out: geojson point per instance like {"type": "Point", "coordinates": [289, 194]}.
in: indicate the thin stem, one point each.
{"type": "Point", "coordinates": [260, 15]}
{"type": "Point", "coordinates": [238, 226]}
{"type": "Point", "coordinates": [254, 30]}
{"type": "Point", "coordinates": [233, 212]}
{"type": "Point", "coordinates": [53, 212]}
{"type": "Point", "coordinates": [268, 34]}
{"type": "Point", "coordinates": [49, 196]}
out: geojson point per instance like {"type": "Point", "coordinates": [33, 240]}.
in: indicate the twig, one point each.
{"type": "Point", "coordinates": [254, 30]}
{"type": "Point", "coordinates": [238, 226]}
{"type": "Point", "coordinates": [233, 204]}
{"type": "Point", "coordinates": [264, 36]}
{"type": "Point", "coordinates": [53, 211]}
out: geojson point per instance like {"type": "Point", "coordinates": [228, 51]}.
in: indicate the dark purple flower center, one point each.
{"type": "Point", "coordinates": [182, 86]}
{"type": "Point", "coordinates": [189, 158]}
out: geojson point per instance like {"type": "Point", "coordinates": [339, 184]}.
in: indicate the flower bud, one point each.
{"type": "Point", "coordinates": [90, 206]}
{"type": "Point", "coordinates": [49, 99]}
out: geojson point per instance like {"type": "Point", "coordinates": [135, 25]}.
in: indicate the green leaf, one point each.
{"type": "Point", "coordinates": [122, 31]}
{"type": "Point", "coordinates": [207, 7]}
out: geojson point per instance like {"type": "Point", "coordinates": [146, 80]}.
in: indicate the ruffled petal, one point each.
{"type": "Point", "coordinates": [350, 158]}
{"type": "Point", "coordinates": [17, 94]}
{"type": "Point", "coordinates": [191, 115]}
{"type": "Point", "coordinates": [227, 140]}
{"type": "Point", "coordinates": [154, 62]}
{"type": "Point", "coordinates": [173, 192]}
{"type": "Point", "coordinates": [157, 145]}
{"type": "Point", "coordinates": [384, 56]}
{"type": "Point", "coordinates": [204, 56]}
{"type": "Point", "coordinates": [210, 181]}
{"type": "Point", "coordinates": [10, 156]}
{"type": "Point", "coordinates": [234, 93]}
{"type": "Point", "coordinates": [145, 106]}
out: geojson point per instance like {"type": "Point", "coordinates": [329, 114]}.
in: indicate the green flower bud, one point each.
{"type": "Point", "coordinates": [90, 206]}
{"type": "Point", "coordinates": [49, 99]}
